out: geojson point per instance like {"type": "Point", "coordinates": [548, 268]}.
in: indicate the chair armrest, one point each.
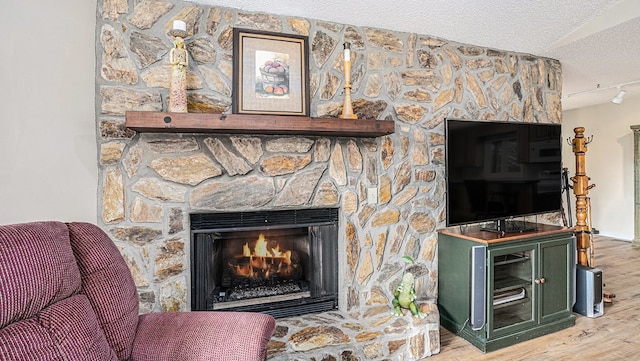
{"type": "Point", "coordinates": [202, 335]}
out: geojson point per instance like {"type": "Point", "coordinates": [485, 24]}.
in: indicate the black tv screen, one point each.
{"type": "Point", "coordinates": [499, 170]}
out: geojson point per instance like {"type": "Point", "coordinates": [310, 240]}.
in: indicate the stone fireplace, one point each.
{"type": "Point", "coordinates": [284, 263]}
{"type": "Point", "coordinates": [151, 184]}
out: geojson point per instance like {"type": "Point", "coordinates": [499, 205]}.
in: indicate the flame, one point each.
{"type": "Point", "coordinates": [244, 270]}
{"type": "Point", "coordinates": [286, 256]}
{"type": "Point", "coordinates": [260, 249]}
{"type": "Point", "coordinates": [262, 261]}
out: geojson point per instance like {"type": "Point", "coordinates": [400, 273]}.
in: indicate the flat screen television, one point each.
{"type": "Point", "coordinates": [497, 171]}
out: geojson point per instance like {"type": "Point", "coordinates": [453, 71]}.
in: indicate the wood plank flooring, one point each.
{"type": "Point", "coordinates": [613, 336]}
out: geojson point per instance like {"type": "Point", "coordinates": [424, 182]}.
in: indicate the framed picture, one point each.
{"type": "Point", "coordinates": [270, 73]}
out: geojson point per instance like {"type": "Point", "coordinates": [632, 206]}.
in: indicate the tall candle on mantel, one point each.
{"type": "Point", "coordinates": [179, 25]}
{"type": "Point", "coordinates": [179, 60]}
{"type": "Point", "coordinates": [347, 52]}
{"type": "Point", "coordinates": [347, 108]}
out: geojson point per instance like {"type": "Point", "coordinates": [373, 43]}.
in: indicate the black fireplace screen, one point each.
{"type": "Point", "coordinates": [283, 263]}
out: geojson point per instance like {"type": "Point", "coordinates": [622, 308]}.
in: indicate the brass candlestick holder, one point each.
{"type": "Point", "coordinates": [347, 108]}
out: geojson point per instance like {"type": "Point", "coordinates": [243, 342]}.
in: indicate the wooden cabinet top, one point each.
{"type": "Point", "coordinates": [476, 234]}
{"type": "Point", "coordinates": [166, 122]}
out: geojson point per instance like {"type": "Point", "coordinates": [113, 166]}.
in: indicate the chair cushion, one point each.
{"type": "Point", "coordinates": [66, 330]}
{"type": "Point", "coordinates": [37, 269]}
{"type": "Point", "coordinates": [107, 282]}
{"type": "Point", "coordinates": [203, 335]}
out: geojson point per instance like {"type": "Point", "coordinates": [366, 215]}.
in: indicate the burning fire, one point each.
{"type": "Point", "coordinates": [263, 262]}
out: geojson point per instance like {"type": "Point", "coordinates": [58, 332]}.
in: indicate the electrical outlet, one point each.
{"type": "Point", "coordinates": [372, 195]}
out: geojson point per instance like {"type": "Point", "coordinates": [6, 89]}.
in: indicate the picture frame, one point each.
{"type": "Point", "coordinates": [270, 73]}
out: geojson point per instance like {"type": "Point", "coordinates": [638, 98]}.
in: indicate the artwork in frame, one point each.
{"type": "Point", "coordinates": [270, 73]}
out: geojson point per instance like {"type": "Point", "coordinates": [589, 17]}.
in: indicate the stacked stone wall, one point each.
{"type": "Point", "coordinates": [150, 183]}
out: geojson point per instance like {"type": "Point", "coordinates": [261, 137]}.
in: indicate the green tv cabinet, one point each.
{"type": "Point", "coordinates": [526, 284]}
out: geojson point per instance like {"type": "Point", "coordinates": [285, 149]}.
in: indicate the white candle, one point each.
{"type": "Point", "coordinates": [347, 52]}
{"type": "Point", "coordinates": [179, 25]}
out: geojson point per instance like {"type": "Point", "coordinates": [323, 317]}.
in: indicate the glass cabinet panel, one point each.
{"type": "Point", "coordinates": [511, 290]}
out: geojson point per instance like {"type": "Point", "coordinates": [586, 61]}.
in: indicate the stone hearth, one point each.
{"type": "Point", "coordinates": [150, 183]}
{"type": "Point", "coordinates": [374, 335]}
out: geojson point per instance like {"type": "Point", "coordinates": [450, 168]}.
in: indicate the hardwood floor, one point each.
{"type": "Point", "coordinates": [613, 336]}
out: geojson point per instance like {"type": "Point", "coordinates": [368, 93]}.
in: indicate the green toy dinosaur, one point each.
{"type": "Point", "coordinates": [405, 295]}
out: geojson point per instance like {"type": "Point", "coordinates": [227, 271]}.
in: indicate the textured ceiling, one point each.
{"type": "Point", "coordinates": [597, 41]}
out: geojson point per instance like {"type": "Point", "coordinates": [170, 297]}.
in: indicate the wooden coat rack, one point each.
{"type": "Point", "coordinates": [581, 187]}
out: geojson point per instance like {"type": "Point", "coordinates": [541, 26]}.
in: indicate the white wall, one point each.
{"type": "Point", "coordinates": [609, 162]}
{"type": "Point", "coordinates": [48, 166]}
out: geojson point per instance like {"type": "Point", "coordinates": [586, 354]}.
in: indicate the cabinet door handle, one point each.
{"type": "Point", "coordinates": [540, 281]}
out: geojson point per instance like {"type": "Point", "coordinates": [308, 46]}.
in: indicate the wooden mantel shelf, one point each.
{"type": "Point", "coordinates": [164, 122]}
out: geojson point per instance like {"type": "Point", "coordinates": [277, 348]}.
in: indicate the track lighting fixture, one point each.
{"type": "Point", "coordinates": [620, 97]}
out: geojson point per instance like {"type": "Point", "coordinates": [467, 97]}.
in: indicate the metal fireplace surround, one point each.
{"type": "Point", "coordinates": [315, 233]}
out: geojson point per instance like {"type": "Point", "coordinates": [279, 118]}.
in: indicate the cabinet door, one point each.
{"type": "Point", "coordinates": [511, 305]}
{"type": "Point", "coordinates": [554, 279]}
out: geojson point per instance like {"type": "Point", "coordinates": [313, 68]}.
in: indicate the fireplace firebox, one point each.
{"type": "Point", "coordinates": [283, 262]}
